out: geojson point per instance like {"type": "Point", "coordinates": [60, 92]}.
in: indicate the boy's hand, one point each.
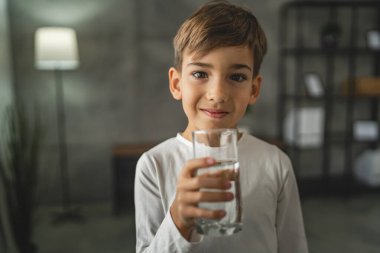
{"type": "Point", "coordinates": [185, 206]}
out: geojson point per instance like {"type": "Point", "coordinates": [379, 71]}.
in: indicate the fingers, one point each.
{"type": "Point", "coordinates": [196, 183]}
{"type": "Point", "coordinates": [228, 174]}
{"type": "Point", "coordinates": [189, 194]}
{"type": "Point", "coordinates": [195, 212]}
{"type": "Point", "coordinates": [193, 165]}
{"type": "Point", "coordinates": [193, 198]}
{"type": "Point", "coordinates": [184, 208]}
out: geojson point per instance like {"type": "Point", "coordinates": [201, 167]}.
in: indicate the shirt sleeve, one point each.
{"type": "Point", "coordinates": [155, 229]}
{"type": "Point", "coordinates": [289, 220]}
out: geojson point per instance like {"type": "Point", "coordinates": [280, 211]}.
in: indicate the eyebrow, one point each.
{"type": "Point", "coordinates": [207, 65]}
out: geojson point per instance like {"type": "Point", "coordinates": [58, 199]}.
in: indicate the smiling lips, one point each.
{"type": "Point", "coordinates": [214, 113]}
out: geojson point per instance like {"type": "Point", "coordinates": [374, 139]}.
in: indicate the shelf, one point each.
{"type": "Point", "coordinates": [301, 53]}
{"type": "Point", "coordinates": [327, 51]}
{"type": "Point", "coordinates": [333, 186]}
{"type": "Point", "coordinates": [331, 4]}
{"type": "Point", "coordinates": [340, 137]}
{"type": "Point", "coordinates": [336, 138]}
{"type": "Point", "coordinates": [328, 96]}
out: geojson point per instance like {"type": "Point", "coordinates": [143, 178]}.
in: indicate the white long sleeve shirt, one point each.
{"type": "Point", "coordinates": [272, 217]}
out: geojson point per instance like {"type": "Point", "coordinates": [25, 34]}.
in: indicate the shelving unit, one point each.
{"type": "Point", "coordinates": [347, 57]}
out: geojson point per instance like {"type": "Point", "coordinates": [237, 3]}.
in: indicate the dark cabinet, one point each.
{"type": "Point", "coordinates": [125, 158]}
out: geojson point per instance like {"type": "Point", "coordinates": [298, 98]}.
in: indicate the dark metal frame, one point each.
{"type": "Point", "coordinates": [296, 98]}
{"type": "Point", "coordinates": [68, 213]}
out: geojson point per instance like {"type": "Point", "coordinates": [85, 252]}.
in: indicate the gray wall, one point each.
{"type": "Point", "coordinates": [6, 98]}
{"type": "Point", "coordinates": [5, 65]}
{"type": "Point", "coordinates": [120, 92]}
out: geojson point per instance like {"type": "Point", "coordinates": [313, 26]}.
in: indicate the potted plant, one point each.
{"type": "Point", "coordinates": [18, 174]}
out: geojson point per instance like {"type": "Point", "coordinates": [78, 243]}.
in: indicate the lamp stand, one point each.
{"type": "Point", "coordinates": [68, 213]}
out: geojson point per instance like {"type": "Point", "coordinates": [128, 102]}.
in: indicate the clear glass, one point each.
{"type": "Point", "coordinates": [221, 144]}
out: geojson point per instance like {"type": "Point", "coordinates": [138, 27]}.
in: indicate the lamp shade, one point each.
{"type": "Point", "coordinates": [56, 48]}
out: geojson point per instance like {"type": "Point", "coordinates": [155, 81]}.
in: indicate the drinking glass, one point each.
{"type": "Point", "coordinates": [221, 144]}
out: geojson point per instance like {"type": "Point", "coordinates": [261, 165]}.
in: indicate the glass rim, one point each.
{"type": "Point", "coordinates": [203, 131]}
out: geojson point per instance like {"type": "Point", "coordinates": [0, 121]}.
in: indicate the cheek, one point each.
{"type": "Point", "coordinates": [191, 94]}
{"type": "Point", "coordinates": [242, 96]}
{"type": "Point", "coordinates": [242, 101]}
{"type": "Point", "coordinates": [188, 100]}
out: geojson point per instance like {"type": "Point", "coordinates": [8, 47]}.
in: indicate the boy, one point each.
{"type": "Point", "coordinates": [218, 52]}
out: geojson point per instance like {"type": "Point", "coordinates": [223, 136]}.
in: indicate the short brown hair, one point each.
{"type": "Point", "coordinates": [220, 24]}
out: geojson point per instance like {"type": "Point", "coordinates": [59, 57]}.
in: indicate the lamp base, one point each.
{"type": "Point", "coordinates": [68, 214]}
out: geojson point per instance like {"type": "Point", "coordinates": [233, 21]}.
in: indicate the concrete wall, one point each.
{"type": "Point", "coordinates": [6, 90]}
{"type": "Point", "coordinates": [120, 92]}
{"type": "Point", "coordinates": [6, 98]}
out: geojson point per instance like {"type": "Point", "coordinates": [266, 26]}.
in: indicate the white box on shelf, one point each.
{"type": "Point", "coordinates": [366, 130]}
{"type": "Point", "coordinates": [303, 127]}
{"type": "Point", "coordinates": [367, 169]}
{"type": "Point", "coordinates": [373, 39]}
{"type": "Point", "coordinates": [314, 85]}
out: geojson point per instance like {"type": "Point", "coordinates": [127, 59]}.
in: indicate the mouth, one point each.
{"type": "Point", "coordinates": [215, 113]}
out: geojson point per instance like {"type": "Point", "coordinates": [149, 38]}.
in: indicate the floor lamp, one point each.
{"type": "Point", "coordinates": [56, 50]}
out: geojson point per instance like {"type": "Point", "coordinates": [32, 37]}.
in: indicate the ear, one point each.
{"type": "Point", "coordinates": [175, 83]}
{"type": "Point", "coordinates": [256, 85]}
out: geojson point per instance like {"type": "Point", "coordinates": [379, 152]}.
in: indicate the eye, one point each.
{"type": "Point", "coordinates": [238, 77]}
{"type": "Point", "coordinates": [199, 74]}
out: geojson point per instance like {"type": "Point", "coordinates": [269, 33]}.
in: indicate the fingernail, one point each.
{"type": "Point", "coordinates": [230, 196]}
{"type": "Point", "coordinates": [227, 184]}
{"type": "Point", "coordinates": [209, 160]}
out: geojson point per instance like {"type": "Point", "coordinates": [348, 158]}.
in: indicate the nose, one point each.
{"type": "Point", "coordinates": [217, 91]}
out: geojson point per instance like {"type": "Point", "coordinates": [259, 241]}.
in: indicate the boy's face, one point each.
{"type": "Point", "coordinates": [216, 88]}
